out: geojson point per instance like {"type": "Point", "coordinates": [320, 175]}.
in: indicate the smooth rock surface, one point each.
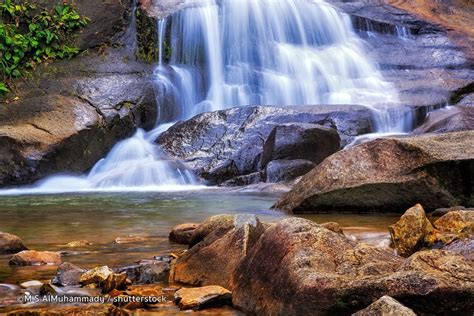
{"type": "Point", "coordinates": [181, 234]}
{"type": "Point", "coordinates": [10, 243]}
{"type": "Point", "coordinates": [201, 297]}
{"type": "Point", "coordinates": [33, 258]}
{"type": "Point", "coordinates": [389, 175]}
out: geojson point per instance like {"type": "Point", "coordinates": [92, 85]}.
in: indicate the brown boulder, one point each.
{"type": "Point", "coordinates": [202, 297]}
{"type": "Point", "coordinates": [389, 174]}
{"type": "Point", "coordinates": [222, 223]}
{"type": "Point", "coordinates": [412, 232]}
{"type": "Point", "coordinates": [300, 268]}
{"type": "Point", "coordinates": [456, 222]}
{"type": "Point", "coordinates": [181, 234]}
{"type": "Point", "coordinates": [449, 119]}
{"type": "Point", "coordinates": [213, 260]}
{"type": "Point", "coordinates": [10, 243]}
{"type": "Point", "coordinates": [385, 306]}
{"type": "Point", "coordinates": [34, 258]}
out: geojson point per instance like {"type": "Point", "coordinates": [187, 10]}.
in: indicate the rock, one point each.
{"type": "Point", "coordinates": [287, 170]}
{"type": "Point", "coordinates": [147, 272]}
{"type": "Point", "coordinates": [449, 119]}
{"type": "Point", "coordinates": [389, 175]}
{"type": "Point", "coordinates": [181, 234]}
{"type": "Point", "coordinates": [457, 222]}
{"type": "Point", "coordinates": [10, 243]}
{"type": "Point", "coordinates": [9, 294]}
{"type": "Point", "coordinates": [463, 247]}
{"type": "Point", "coordinates": [222, 223]}
{"type": "Point", "coordinates": [332, 226]}
{"type": "Point", "coordinates": [412, 232]}
{"type": "Point", "coordinates": [68, 274]}
{"type": "Point", "coordinates": [213, 260]}
{"type": "Point", "coordinates": [97, 275]}
{"type": "Point", "coordinates": [129, 239]}
{"type": "Point", "coordinates": [385, 306]}
{"type": "Point", "coordinates": [71, 112]}
{"type": "Point", "coordinates": [34, 258]}
{"type": "Point", "coordinates": [114, 281]}
{"type": "Point", "coordinates": [202, 297]}
{"type": "Point", "coordinates": [78, 243]}
{"type": "Point", "coordinates": [433, 216]}
{"type": "Point", "coordinates": [300, 141]}
{"type": "Point", "coordinates": [223, 145]}
{"type": "Point", "coordinates": [49, 289]}
{"type": "Point", "coordinates": [32, 283]}
{"type": "Point", "coordinates": [298, 267]}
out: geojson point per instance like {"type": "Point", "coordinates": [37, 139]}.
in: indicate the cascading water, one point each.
{"type": "Point", "coordinates": [226, 53]}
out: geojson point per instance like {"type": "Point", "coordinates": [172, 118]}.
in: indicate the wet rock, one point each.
{"type": "Point", "coordinates": [32, 283]}
{"type": "Point", "coordinates": [78, 243]}
{"type": "Point", "coordinates": [463, 247]}
{"type": "Point", "coordinates": [10, 243]}
{"type": "Point", "coordinates": [9, 294]}
{"type": "Point", "coordinates": [114, 281]}
{"type": "Point", "coordinates": [287, 170]}
{"type": "Point", "coordinates": [202, 297]}
{"type": "Point", "coordinates": [147, 272]}
{"type": "Point", "coordinates": [129, 239]}
{"type": "Point", "coordinates": [97, 275]}
{"type": "Point", "coordinates": [213, 260]}
{"type": "Point", "coordinates": [389, 175]}
{"type": "Point", "coordinates": [385, 306]}
{"type": "Point", "coordinates": [223, 145]}
{"type": "Point", "coordinates": [222, 223]}
{"type": "Point", "coordinates": [300, 268]}
{"type": "Point", "coordinates": [34, 258]}
{"type": "Point", "coordinates": [49, 289]}
{"type": "Point", "coordinates": [332, 226]}
{"type": "Point", "coordinates": [450, 119]}
{"type": "Point", "coordinates": [412, 232]}
{"type": "Point", "coordinates": [68, 274]}
{"type": "Point", "coordinates": [181, 234]}
{"type": "Point", "coordinates": [457, 222]}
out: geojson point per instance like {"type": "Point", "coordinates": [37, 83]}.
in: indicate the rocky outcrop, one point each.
{"type": "Point", "coordinates": [35, 258]}
{"type": "Point", "coordinates": [300, 268]}
{"type": "Point", "coordinates": [385, 306]}
{"type": "Point", "coordinates": [213, 260]}
{"type": "Point", "coordinates": [72, 112]}
{"type": "Point", "coordinates": [202, 297]}
{"type": "Point", "coordinates": [412, 232]}
{"type": "Point", "coordinates": [240, 142]}
{"type": "Point", "coordinates": [10, 243]}
{"type": "Point", "coordinates": [389, 175]}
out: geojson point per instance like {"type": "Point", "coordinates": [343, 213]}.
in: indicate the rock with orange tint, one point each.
{"type": "Point", "coordinates": [10, 243]}
{"type": "Point", "coordinates": [202, 297]}
{"type": "Point", "coordinates": [34, 258]}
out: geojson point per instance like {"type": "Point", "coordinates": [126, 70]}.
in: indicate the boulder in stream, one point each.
{"type": "Point", "coordinates": [10, 243]}
{"type": "Point", "coordinates": [34, 258]}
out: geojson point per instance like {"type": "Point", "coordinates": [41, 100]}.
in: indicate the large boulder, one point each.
{"type": "Point", "coordinates": [228, 144]}
{"type": "Point", "coordinates": [71, 112]}
{"type": "Point", "coordinates": [10, 243]}
{"type": "Point", "coordinates": [389, 175]}
{"type": "Point", "coordinates": [300, 268]}
{"type": "Point", "coordinates": [213, 260]}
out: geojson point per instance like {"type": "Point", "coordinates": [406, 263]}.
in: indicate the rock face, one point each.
{"type": "Point", "coordinates": [34, 258]}
{"type": "Point", "coordinates": [389, 175]}
{"type": "Point", "coordinates": [213, 260]}
{"type": "Point", "coordinates": [412, 232]}
{"type": "Point", "coordinates": [450, 119]}
{"type": "Point", "coordinates": [201, 297]}
{"type": "Point", "coordinates": [240, 142]}
{"type": "Point", "coordinates": [10, 243]}
{"type": "Point", "coordinates": [385, 306]}
{"type": "Point", "coordinates": [72, 112]}
{"type": "Point", "coordinates": [300, 268]}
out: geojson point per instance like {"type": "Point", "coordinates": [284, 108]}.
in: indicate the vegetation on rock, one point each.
{"type": "Point", "coordinates": [30, 35]}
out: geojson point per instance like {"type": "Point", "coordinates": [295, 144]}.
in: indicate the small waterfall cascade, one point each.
{"type": "Point", "coordinates": [217, 54]}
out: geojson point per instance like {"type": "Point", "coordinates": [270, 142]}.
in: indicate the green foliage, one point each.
{"type": "Point", "coordinates": [30, 35]}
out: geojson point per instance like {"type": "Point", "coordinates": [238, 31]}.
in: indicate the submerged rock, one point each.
{"type": "Point", "coordinates": [237, 144]}
{"type": "Point", "coordinates": [202, 297]}
{"type": "Point", "coordinates": [181, 234]}
{"type": "Point", "coordinates": [389, 175]}
{"type": "Point", "coordinates": [213, 260]}
{"type": "Point", "coordinates": [385, 306]}
{"type": "Point", "coordinates": [300, 268]}
{"type": "Point", "coordinates": [33, 258]}
{"type": "Point", "coordinates": [10, 243]}
{"type": "Point", "coordinates": [412, 232]}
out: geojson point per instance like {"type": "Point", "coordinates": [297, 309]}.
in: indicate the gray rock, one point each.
{"type": "Point", "coordinates": [287, 170]}
{"type": "Point", "coordinates": [385, 306]}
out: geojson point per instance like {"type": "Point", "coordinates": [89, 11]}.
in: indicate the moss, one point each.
{"type": "Point", "coordinates": [147, 37]}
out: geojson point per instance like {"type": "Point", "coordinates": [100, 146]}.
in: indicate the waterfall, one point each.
{"type": "Point", "coordinates": [227, 53]}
